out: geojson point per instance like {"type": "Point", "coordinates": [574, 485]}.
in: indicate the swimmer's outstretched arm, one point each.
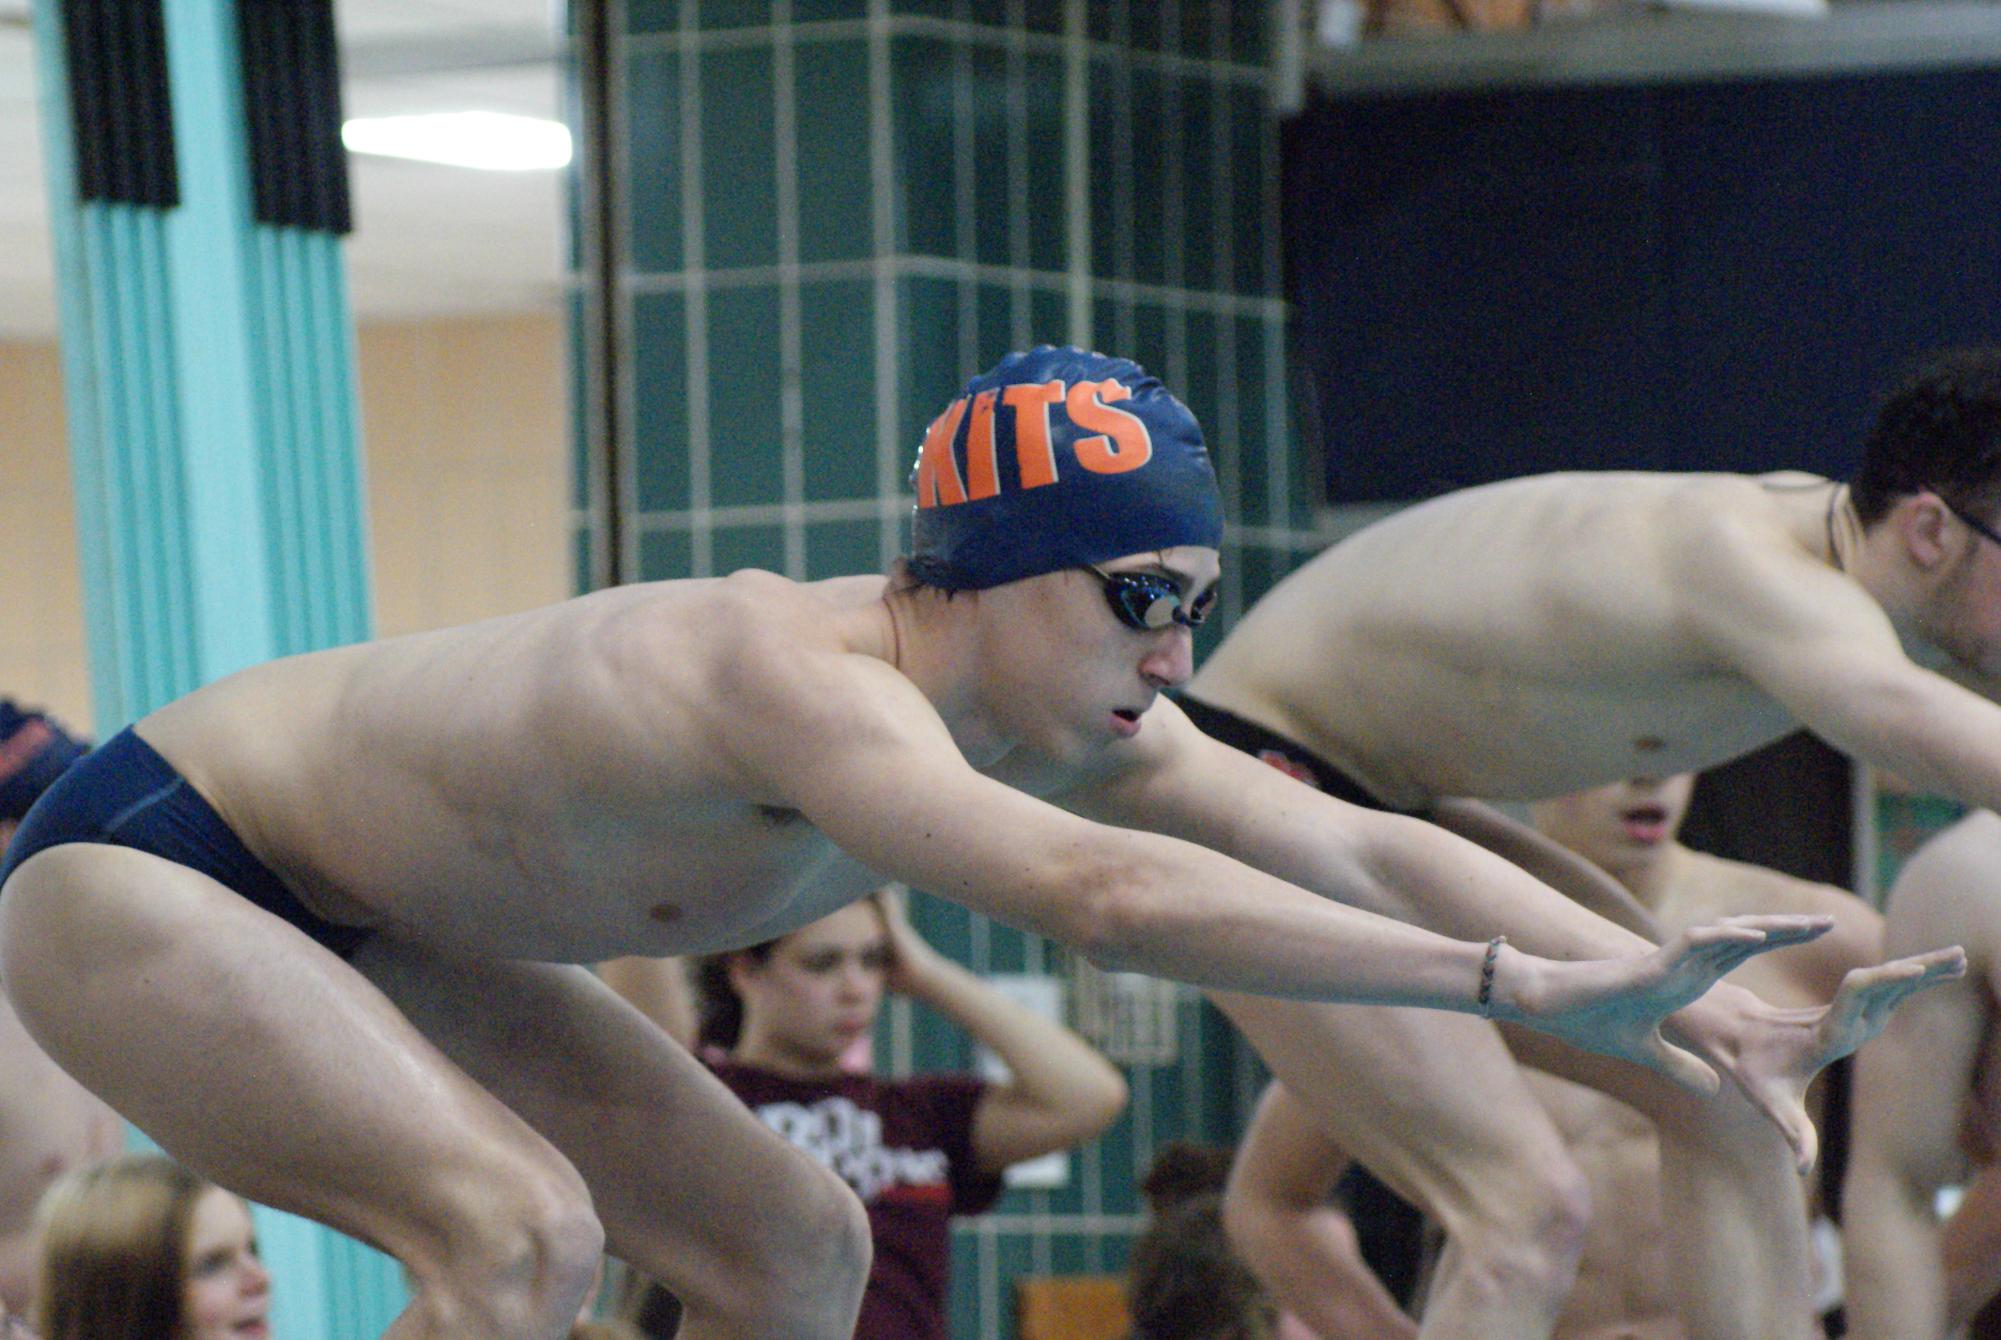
{"type": "Point", "coordinates": [1184, 782]}
{"type": "Point", "coordinates": [852, 744]}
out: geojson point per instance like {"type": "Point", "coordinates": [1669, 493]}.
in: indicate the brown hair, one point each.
{"type": "Point", "coordinates": [113, 1241]}
{"type": "Point", "coordinates": [1185, 1283]}
{"type": "Point", "coordinates": [719, 1007]}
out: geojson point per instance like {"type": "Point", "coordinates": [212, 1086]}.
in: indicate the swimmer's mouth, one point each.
{"type": "Point", "coordinates": [1645, 824]}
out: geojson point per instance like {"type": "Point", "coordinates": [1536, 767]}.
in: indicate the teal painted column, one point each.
{"type": "Point", "coordinates": [208, 361]}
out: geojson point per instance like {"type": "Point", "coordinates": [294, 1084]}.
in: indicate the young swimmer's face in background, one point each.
{"type": "Point", "coordinates": [1069, 675]}
{"type": "Point", "coordinates": [819, 989]}
{"type": "Point", "coordinates": [225, 1290]}
{"type": "Point", "coordinates": [1613, 825]}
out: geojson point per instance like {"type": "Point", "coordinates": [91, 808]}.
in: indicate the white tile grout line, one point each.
{"type": "Point", "coordinates": [694, 253]}
{"type": "Point", "coordinates": [1228, 406]}
{"type": "Point", "coordinates": [1077, 173]}
{"type": "Point", "coordinates": [954, 268]}
{"type": "Point", "coordinates": [791, 406]}
{"type": "Point", "coordinates": [965, 208]}
{"type": "Point", "coordinates": [1174, 239]}
{"type": "Point", "coordinates": [955, 30]}
{"type": "Point", "coordinates": [1055, 1224]}
{"type": "Point", "coordinates": [1194, 1093]}
{"type": "Point", "coordinates": [1124, 193]}
{"type": "Point", "coordinates": [625, 318]}
{"type": "Point", "coordinates": [1278, 538]}
{"type": "Point", "coordinates": [883, 271]}
{"type": "Point", "coordinates": [1142, 1128]}
{"type": "Point", "coordinates": [1020, 311]}
{"type": "Point", "coordinates": [989, 1241]}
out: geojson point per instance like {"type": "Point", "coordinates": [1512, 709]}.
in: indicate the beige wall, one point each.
{"type": "Point", "coordinates": [41, 591]}
{"type": "Point", "coordinates": [467, 454]}
{"type": "Point", "coordinates": [466, 429]}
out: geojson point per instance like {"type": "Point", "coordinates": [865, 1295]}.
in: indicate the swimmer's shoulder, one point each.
{"type": "Point", "coordinates": [752, 610]}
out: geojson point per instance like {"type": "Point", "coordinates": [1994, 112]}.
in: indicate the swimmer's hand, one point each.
{"type": "Point", "coordinates": [1616, 1006]}
{"type": "Point", "coordinates": [1773, 1054]}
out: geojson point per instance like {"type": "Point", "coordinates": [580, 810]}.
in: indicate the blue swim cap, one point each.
{"type": "Point", "coordinates": [34, 751]}
{"type": "Point", "coordinates": [1054, 459]}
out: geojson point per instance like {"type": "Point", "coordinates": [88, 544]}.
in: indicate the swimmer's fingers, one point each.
{"type": "Point", "coordinates": [1862, 1006]}
{"type": "Point", "coordinates": [1679, 1064]}
{"type": "Point", "coordinates": [1782, 930]}
{"type": "Point", "coordinates": [1699, 957]}
{"type": "Point", "coordinates": [1704, 954]}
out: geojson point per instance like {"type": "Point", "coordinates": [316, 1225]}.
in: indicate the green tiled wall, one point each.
{"type": "Point", "coordinates": [835, 211]}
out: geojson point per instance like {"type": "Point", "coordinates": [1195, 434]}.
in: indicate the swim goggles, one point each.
{"type": "Point", "coordinates": [1149, 602]}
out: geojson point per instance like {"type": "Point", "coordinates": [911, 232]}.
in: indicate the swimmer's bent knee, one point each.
{"type": "Point", "coordinates": [517, 1261]}
{"type": "Point", "coordinates": [1531, 1244]}
{"type": "Point", "coordinates": [808, 1266]}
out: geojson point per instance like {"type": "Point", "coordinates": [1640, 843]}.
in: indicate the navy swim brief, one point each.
{"type": "Point", "coordinates": [1268, 746]}
{"type": "Point", "coordinates": [124, 794]}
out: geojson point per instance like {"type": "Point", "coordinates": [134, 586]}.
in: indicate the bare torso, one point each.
{"type": "Point", "coordinates": [548, 785]}
{"type": "Point", "coordinates": [1624, 1291]}
{"type": "Point", "coordinates": [1442, 651]}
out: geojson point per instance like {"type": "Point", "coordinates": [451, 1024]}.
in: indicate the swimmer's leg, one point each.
{"type": "Point", "coordinates": [756, 1239]}
{"type": "Point", "coordinates": [262, 1061]}
{"type": "Point", "coordinates": [1434, 1106]}
{"type": "Point", "coordinates": [1731, 1198]}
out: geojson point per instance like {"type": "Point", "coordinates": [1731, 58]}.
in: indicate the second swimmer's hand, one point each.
{"type": "Point", "coordinates": [1616, 1006]}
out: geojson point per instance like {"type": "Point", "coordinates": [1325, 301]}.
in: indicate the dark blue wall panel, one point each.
{"type": "Point", "coordinates": [1699, 276]}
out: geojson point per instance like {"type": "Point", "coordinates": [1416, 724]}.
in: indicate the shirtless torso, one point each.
{"type": "Point", "coordinates": [679, 768]}
{"type": "Point", "coordinates": [559, 784]}
{"type": "Point", "coordinates": [1543, 635]}
{"type": "Point", "coordinates": [1625, 1289]}
{"type": "Point", "coordinates": [1643, 621]}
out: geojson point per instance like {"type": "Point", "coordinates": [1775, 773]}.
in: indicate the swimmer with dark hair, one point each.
{"type": "Point", "coordinates": [1538, 636]}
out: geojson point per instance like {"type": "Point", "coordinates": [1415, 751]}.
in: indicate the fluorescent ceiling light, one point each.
{"type": "Point", "coordinates": [496, 141]}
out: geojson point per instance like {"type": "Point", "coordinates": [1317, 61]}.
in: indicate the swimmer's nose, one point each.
{"type": "Point", "coordinates": [1171, 660]}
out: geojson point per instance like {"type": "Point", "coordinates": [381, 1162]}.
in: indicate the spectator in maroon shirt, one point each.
{"type": "Point", "coordinates": [777, 1020]}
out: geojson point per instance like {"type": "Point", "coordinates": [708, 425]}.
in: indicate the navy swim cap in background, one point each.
{"type": "Point", "coordinates": [34, 751]}
{"type": "Point", "coordinates": [1054, 459]}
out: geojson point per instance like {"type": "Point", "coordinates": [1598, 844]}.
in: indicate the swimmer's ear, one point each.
{"type": "Point", "coordinates": [1925, 523]}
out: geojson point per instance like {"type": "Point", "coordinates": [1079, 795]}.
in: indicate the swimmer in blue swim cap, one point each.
{"type": "Point", "coordinates": [1068, 465]}
{"type": "Point", "coordinates": [1061, 459]}
{"type": "Point", "coordinates": [324, 920]}
{"type": "Point", "coordinates": [1058, 458]}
